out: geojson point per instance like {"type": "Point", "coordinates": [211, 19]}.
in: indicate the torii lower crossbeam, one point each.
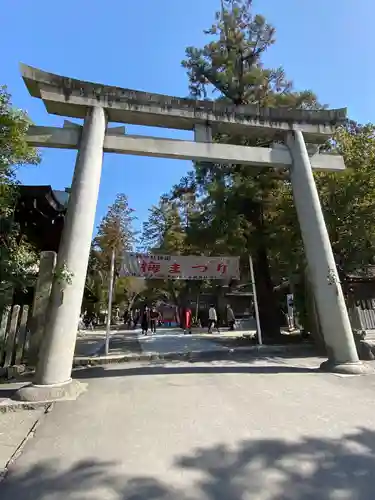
{"type": "Point", "coordinates": [277, 157]}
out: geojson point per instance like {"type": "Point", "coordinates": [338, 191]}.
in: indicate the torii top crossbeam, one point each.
{"type": "Point", "coordinates": [71, 97]}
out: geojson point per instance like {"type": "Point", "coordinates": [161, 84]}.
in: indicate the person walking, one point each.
{"type": "Point", "coordinates": [154, 316]}
{"type": "Point", "coordinates": [130, 319]}
{"type": "Point", "coordinates": [231, 319]}
{"type": "Point", "coordinates": [88, 320]}
{"type": "Point", "coordinates": [145, 320]}
{"type": "Point", "coordinates": [125, 317]}
{"type": "Point", "coordinates": [290, 312]}
{"type": "Point", "coordinates": [212, 319]}
{"type": "Point", "coordinates": [136, 316]}
{"type": "Point", "coordinates": [81, 323]}
{"type": "Point", "coordinates": [187, 317]}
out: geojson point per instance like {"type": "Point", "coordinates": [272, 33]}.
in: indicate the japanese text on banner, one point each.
{"type": "Point", "coordinates": [188, 267]}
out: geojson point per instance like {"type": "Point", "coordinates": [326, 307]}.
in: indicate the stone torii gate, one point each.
{"type": "Point", "coordinates": [100, 104]}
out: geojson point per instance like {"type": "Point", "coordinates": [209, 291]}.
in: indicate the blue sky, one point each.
{"type": "Point", "coordinates": [327, 46]}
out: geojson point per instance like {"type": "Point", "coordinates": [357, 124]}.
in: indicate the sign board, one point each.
{"type": "Point", "coordinates": [187, 267]}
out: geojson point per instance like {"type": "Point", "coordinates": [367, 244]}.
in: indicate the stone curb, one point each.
{"type": "Point", "coordinates": [214, 354]}
{"type": "Point", "coordinates": [9, 406]}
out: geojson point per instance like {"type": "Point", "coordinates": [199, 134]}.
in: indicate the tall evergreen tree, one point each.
{"type": "Point", "coordinates": [115, 231]}
{"type": "Point", "coordinates": [229, 67]}
{"type": "Point", "coordinates": [164, 232]}
{"type": "Point", "coordinates": [115, 234]}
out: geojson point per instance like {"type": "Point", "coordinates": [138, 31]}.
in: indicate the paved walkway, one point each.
{"type": "Point", "coordinates": [174, 340]}
{"type": "Point", "coordinates": [89, 341]}
{"type": "Point", "coordinates": [15, 428]}
{"type": "Point", "coordinates": [166, 340]}
{"type": "Point", "coordinates": [264, 430]}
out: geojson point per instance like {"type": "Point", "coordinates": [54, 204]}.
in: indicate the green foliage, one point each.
{"type": "Point", "coordinates": [18, 260]}
{"type": "Point", "coordinates": [128, 290]}
{"type": "Point", "coordinates": [235, 209]}
{"type": "Point", "coordinates": [63, 275]}
{"type": "Point", "coordinates": [115, 232]}
{"type": "Point", "coordinates": [164, 231]}
{"type": "Point", "coordinates": [14, 150]}
{"type": "Point", "coordinates": [96, 282]}
{"type": "Point", "coordinates": [239, 203]}
{"type": "Point", "coordinates": [231, 62]}
{"type": "Point", "coordinates": [348, 198]}
{"type": "Point", "coordinates": [229, 209]}
{"type": "Point", "coordinates": [348, 202]}
{"type": "Point", "coordinates": [171, 229]}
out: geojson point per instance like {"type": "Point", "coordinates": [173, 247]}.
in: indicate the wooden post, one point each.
{"type": "Point", "coordinates": [29, 324]}
{"type": "Point", "coordinates": [3, 330]}
{"type": "Point", "coordinates": [9, 347]}
{"type": "Point", "coordinates": [21, 336]}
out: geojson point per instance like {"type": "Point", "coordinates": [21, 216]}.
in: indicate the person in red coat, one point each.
{"type": "Point", "coordinates": [187, 318]}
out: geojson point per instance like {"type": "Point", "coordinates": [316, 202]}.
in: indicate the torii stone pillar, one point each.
{"type": "Point", "coordinates": [53, 373]}
{"type": "Point", "coordinates": [333, 315]}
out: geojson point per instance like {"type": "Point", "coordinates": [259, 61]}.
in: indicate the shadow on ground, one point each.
{"type": "Point", "coordinates": [249, 340]}
{"type": "Point", "coordinates": [179, 369]}
{"type": "Point", "coordinates": [7, 392]}
{"type": "Point", "coordinates": [310, 469]}
{"type": "Point", "coordinates": [124, 343]}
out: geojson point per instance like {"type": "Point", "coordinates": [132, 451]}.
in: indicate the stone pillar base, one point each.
{"type": "Point", "coordinates": [357, 368]}
{"type": "Point", "coordinates": [47, 393]}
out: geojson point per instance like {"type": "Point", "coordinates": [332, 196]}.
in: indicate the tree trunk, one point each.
{"type": "Point", "coordinates": [267, 304]}
{"type": "Point", "coordinates": [176, 300]}
{"type": "Point", "coordinates": [268, 310]}
{"type": "Point", "coordinates": [131, 302]}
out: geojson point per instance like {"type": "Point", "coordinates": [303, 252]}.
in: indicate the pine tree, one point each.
{"type": "Point", "coordinates": [239, 199]}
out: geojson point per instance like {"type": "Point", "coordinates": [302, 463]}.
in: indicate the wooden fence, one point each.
{"type": "Point", "coordinates": [364, 314]}
{"type": "Point", "coordinates": [14, 335]}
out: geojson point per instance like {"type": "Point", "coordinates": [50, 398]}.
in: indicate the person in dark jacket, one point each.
{"type": "Point", "coordinates": [231, 319]}
{"type": "Point", "coordinates": [154, 316]}
{"type": "Point", "coordinates": [145, 320]}
{"type": "Point", "coordinates": [136, 317]}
